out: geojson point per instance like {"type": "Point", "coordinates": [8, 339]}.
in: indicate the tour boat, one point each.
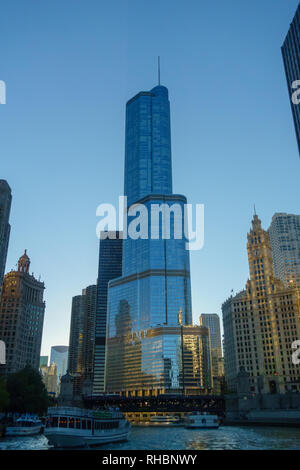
{"type": "Point", "coordinates": [24, 426]}
{"type": "Point", "coordinates": [78, 427]}
{"type": "Point", "coordinates": [201, 420]}
{"type": "Point", "coordinates": [164, 420]}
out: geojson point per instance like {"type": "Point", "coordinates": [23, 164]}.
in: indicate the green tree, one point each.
{"type": "Point", "coordinates": [27, 392]}
{"type": "Point", "coordinates": [4, 395]}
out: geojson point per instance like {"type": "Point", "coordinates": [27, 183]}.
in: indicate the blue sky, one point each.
{"type": "Point", "coordinates": [71, 65]}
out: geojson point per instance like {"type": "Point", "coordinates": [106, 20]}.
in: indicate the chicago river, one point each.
{"type": "Point", "coordinates": [224, 438]}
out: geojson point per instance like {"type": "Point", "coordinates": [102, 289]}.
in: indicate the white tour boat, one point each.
{"type": "Point", "coordinates": [164, 420]}
{"type": "Point", "coordinates": [202, 421]}
{"type": "Point", "coordinates": [78, 427]}
{"type": "Point", "coordinates": [24, 426]}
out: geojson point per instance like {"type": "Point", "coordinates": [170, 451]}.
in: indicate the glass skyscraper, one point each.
{"type": "Point", "coordinates": [5, 204]}
{"type": "Point", "coordinates": [59, 356]}
{"type": "Point", "coordinates": [151, 302]}
{"type": "Point", "coordinates": [291, 58]}
{"type": "Point", "coordinates": [284, 233]}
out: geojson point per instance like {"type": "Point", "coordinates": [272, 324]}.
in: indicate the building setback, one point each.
{"type": "Point", "coordinates": [291, 58]}
{"type": "Point", "coordinates": [5, 205]}
{"type": "Point", "coordinates": [22, 317]}
{"type": "Point", "coordinates": [261, 323]}
{"type": "Point", "coordinates": [110, 267]}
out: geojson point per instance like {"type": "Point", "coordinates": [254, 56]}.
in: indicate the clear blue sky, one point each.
{"type": "Point", "coordinates": [71, 65]}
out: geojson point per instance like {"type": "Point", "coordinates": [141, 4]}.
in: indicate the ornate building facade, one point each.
{"type": "Point", "coordinates": [22, 311]}
{"type": "Point", "coordinates": [261, 323]}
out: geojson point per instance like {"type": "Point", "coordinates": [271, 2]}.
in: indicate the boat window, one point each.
{"type": "Point", "coordinates": [71, 422]}
{"type": "Point", "coordinates": [204, 421]}
{"type": "Point", "coordinates": [63, 422]}
{"type": "Point", "coordinates": [106, 425]}
{"type": "Point", "coordinates": [88, 424]}
{"type": "Point", "coordinates": [77, 423]}
{"type": "Point", "coordinates": [83, 424]}
{"type": "Point", "coordinates": [52, 422]}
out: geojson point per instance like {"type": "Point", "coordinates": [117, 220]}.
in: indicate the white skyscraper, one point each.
{"type": "Point", "coordinates": [284, 233]}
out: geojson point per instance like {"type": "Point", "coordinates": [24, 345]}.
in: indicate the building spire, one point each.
{"type": "Point", "coordinates": [158, 70]}
{"type": "Point", "coordinates": [254, 210]}
{"type": "Point", "coordinates": [24, 263]}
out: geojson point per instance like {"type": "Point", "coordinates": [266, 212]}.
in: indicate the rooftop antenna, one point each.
{"type": "Point", "coordinates": [158, 70]}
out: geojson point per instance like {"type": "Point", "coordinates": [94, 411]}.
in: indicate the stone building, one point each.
{"type": "Point", "coordinates": [22, 311]}
{"type": "Point", "coordinates": [261, 323]}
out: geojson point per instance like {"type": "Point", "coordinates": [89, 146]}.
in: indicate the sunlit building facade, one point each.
{"type": "Point", "coordinates": [212, 322]}
{"type": "Point", "coordinates": [49, 376]}
{"type": "Point", "coordinates": [22, 310]}
{"type": "Point", "coordinates": [59, 356]}
{"type": "Point", "coordinates": [149, 306]}
{"type": "Point", "coordinates": [261, 323]}
{"type": "Point", "coordinates": [158, 360]}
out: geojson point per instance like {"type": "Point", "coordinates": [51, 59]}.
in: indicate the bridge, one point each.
{"type": "Point", "coordinates": [161, 403]}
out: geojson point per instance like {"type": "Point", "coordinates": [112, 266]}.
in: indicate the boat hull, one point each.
{"type": "Point", "coordinates": [15, 431]}
{"type": "Point", "coordinates": [198, 426]}
{"type": "Point", "coordinates": [66, 439]}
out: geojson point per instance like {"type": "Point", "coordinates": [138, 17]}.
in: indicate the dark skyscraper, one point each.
{"type": "Point", "coordinates": [82, 332]}
{"type": "Point", "coordinates": [110, 267]}
{"type": "Point", "coordinates": [291, 58]}
{"type": "Point", "coordinates": [5, 204]}
{"type": "Point", "coordinates": [22, 317]}
{"type": "Point", "coordinates": [90, 303]}
{"type": "Point", "coordinates": [76, 335]}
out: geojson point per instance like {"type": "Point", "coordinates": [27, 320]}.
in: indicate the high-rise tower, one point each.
{"type": "Point", "coordinates": [5, 204]}
{"type": "Point", "coordinates": [82, 332]}
{"type": "Point", "coordinates": [110, 267]}
{"type": "Point", "coordinates": [284, 233]}
{"type": "Point", "coordinates": [151, 302]}
{"type": "Point", "coordinates": [212, 322]}
{"type": "Point", "coordinates": [291, 58]}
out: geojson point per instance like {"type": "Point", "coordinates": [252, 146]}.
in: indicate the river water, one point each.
{"type": "Point", "coordinates": [155, 438]}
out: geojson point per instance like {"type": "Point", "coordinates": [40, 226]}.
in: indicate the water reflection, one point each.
{"type": "Point", "coordinates": [227, 438]}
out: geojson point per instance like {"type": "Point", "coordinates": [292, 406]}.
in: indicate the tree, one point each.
{"type": "Point", "coordinates": [4, 395]}
{"type": "Point", "coordinates": [27, 392]}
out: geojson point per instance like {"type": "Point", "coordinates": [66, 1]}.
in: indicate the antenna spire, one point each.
{"type": "Point", "coordinates": [159, 70]}
{"type": "Point", "coordinates": [254, 210]}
